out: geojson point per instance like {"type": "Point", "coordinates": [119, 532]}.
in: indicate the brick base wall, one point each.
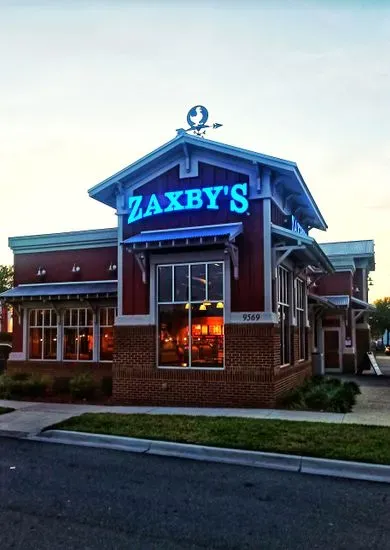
{"type": "Point", "coordinates": [251, 376]}
{"type": "Point", "coordinates": [58, 369]}
{"type": "Point", "coordinates": [287, 378]}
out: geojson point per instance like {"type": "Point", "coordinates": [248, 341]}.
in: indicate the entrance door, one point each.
{"type": "Point", "coordinates": [332, 350]}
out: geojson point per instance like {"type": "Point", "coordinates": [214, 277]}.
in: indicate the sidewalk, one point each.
{"type": "Point", "coordinates": [32, 418]}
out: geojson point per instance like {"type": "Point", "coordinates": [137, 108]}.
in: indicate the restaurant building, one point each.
{"type": "Point", "coordinates": [209, 292]}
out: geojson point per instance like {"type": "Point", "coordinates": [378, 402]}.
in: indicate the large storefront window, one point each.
{"type": "Point", "coordinates": [284, 314]}
{"type": "Point", "coordinates": [42, 334]}
{"type": "Point", "coordinates": [190, 315]}
{"type": "Point", "coordinates": [78, 334]}
{"type": "Point", "coordinates": [107, 318]}
{"type": "Point", "coordinates": [301, 318]}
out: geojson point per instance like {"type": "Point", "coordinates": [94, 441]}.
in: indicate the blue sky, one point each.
{"type": "Point", "coordinates": [88, 87]}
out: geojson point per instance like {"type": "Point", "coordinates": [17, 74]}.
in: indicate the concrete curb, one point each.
{"type": "Point", "coordinates": [273, 461]}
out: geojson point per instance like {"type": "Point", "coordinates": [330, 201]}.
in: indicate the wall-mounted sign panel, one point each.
{"type": "Point", "coordinates": [233, 197]}
{"type": "Point", "coordinates": [296, 226]}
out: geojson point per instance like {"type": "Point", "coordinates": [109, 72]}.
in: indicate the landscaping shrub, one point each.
{"type": "Point", "coordinates": [36, 386]}
{"type": "Point", "coordinates": [20, 376]}
{"type": "Point", "coordinates": [323, 394]}
{"type": "Point", "coordinates": [106, 386]}
{"type": "Point", "coordinates": [82, 386]}
{"type": "Point", "coordinates": [5, 386]}
{"type": "Point", "coordinates": [61, 385]}
{"type": "Point", "coordinates": [22, 386]}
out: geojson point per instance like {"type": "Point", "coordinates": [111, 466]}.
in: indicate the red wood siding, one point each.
{"type": "Point", "coordinates": [277, 216]}
{"type": "Point", "coordinates": [335, 284]}
{"type": "Point", "coordinates": [247, 293]}
{"type": "Point", "coordinates": [93, 262]}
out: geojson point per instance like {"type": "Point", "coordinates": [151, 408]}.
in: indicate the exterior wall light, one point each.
{"type": "Point", "coordinates": [41, 272]}
{"type": "Point", "coordinates": [76, 268]}
{"type": "Point", "coordinates": [112, 267]}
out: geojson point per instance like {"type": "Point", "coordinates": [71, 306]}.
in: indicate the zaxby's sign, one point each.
{"type": "Point", "coordinates": [235, 197]}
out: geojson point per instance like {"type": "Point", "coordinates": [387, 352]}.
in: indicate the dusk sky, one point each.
{"type": "Point", "coordinates": [89, 87]}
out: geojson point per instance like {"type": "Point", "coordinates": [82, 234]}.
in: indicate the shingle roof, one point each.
{"type": "Point", "coordinates": [349, 248]}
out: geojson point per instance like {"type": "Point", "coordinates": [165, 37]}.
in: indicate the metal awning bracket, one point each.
{"type": "Point", "coordinates": [232, 250]}
{"type": "Point", "coordinates": [286, 251]}
{"type": "Point", "coordinates": [141, 261]}
{"type": "Point", "coordinates": [358, 313]}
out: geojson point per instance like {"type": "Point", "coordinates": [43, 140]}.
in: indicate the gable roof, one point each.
{"type": "Point", "coordinates": [348, 255]}
{"type": "Point", "coordinates": [349, 248]}
{"type": "Point", "coordinates": [105, 190]}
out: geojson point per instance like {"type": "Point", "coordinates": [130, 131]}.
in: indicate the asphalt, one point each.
{"type": "Point", "coordinates": [61, 497]}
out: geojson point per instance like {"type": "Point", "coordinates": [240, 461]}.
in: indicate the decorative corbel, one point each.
{"type": "Point", "coordinates": [232, 250]}
{"type": "Point", "coordinates": [288, 197]}
{"type": "Point", "coordinates": [141, 261]}
{"type": "Point", "coordinates": [300, 208]}
{"type": "Point", "coordinates": [119, 192]}
{"type": "Point", "coordinates": [187, 156]}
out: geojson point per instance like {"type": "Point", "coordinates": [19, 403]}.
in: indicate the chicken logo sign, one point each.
{"type": "Point", "coordinates": [197, 117]}
{"type": "Point", "coordinates": [234, 197]}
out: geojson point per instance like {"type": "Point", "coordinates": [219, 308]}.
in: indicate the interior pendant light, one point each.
{"type": "Point", "coordinates": [202, 307]}
{"type": "Point", "coordinates": [219, 305]}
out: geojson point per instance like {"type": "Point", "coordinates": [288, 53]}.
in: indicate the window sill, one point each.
{"type": "Point", "coordinates": [192, 368]}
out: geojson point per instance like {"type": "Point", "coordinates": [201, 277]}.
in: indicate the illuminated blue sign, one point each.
{"type": "Point", "coordinates": [209, 198]}
{"type": "Point", "coordinates": [296, 226]}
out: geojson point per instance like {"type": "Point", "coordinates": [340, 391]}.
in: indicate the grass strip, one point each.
{"type": "Point", "coordinates": [4, 410]}
{"type": "Point", "coordinates": [338, 441]}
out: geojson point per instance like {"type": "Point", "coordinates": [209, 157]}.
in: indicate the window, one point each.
{"type": "Point", "coordinates": [78, 334]}
{"type": "Point", "coordinates": [43, 334]}
{"type": "Point", "coordinates": [190, 305]}
{"type": "Point", "coordinates": [301, 318]}
{"type": "Point", "coordinates": [284, 314]}
{"type": "Point", "coordinates": [107, 318]}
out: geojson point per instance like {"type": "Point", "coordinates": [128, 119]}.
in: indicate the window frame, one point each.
{"type": "Point", "coordinates": [189, 263]}
{"type": "Point", "coordinates": [43, 327]}
{"type": "Point", "coordinates": [78, 326]}
{"type": "Point", "coordinates": [99, 326]}
{"type": "Point", "coordinates": [284, 310]}
{"type": "Point", "coordinates": [300, 308]}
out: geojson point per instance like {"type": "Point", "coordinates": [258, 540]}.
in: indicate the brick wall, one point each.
{"type": "Point", "coordinates": [249, 379]}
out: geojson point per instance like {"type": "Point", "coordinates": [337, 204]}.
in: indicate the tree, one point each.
{"type": "Point", "coordinates": [6, 277]}
{"type": "Point", "coordinates": [380, 319]}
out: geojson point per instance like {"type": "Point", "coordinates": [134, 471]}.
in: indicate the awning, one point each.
{"type": "Point", "coordinates": [203, 235]}
{"type": "Point", "coordinates": [342, 300]}
{"type": "Point", "coordinates": [305, 249]}
{"type": "Point", "coordinates": [60, 291]}
{"type": "Point", "coordinates": [184, 236]}
{"type": "Point", "coordinates": [361, 304]}
{"type": "Point", "coordinates": [319, 300]}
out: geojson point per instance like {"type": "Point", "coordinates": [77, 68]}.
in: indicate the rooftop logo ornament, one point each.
{"type": "Point", "coordinates": [197, 118]}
